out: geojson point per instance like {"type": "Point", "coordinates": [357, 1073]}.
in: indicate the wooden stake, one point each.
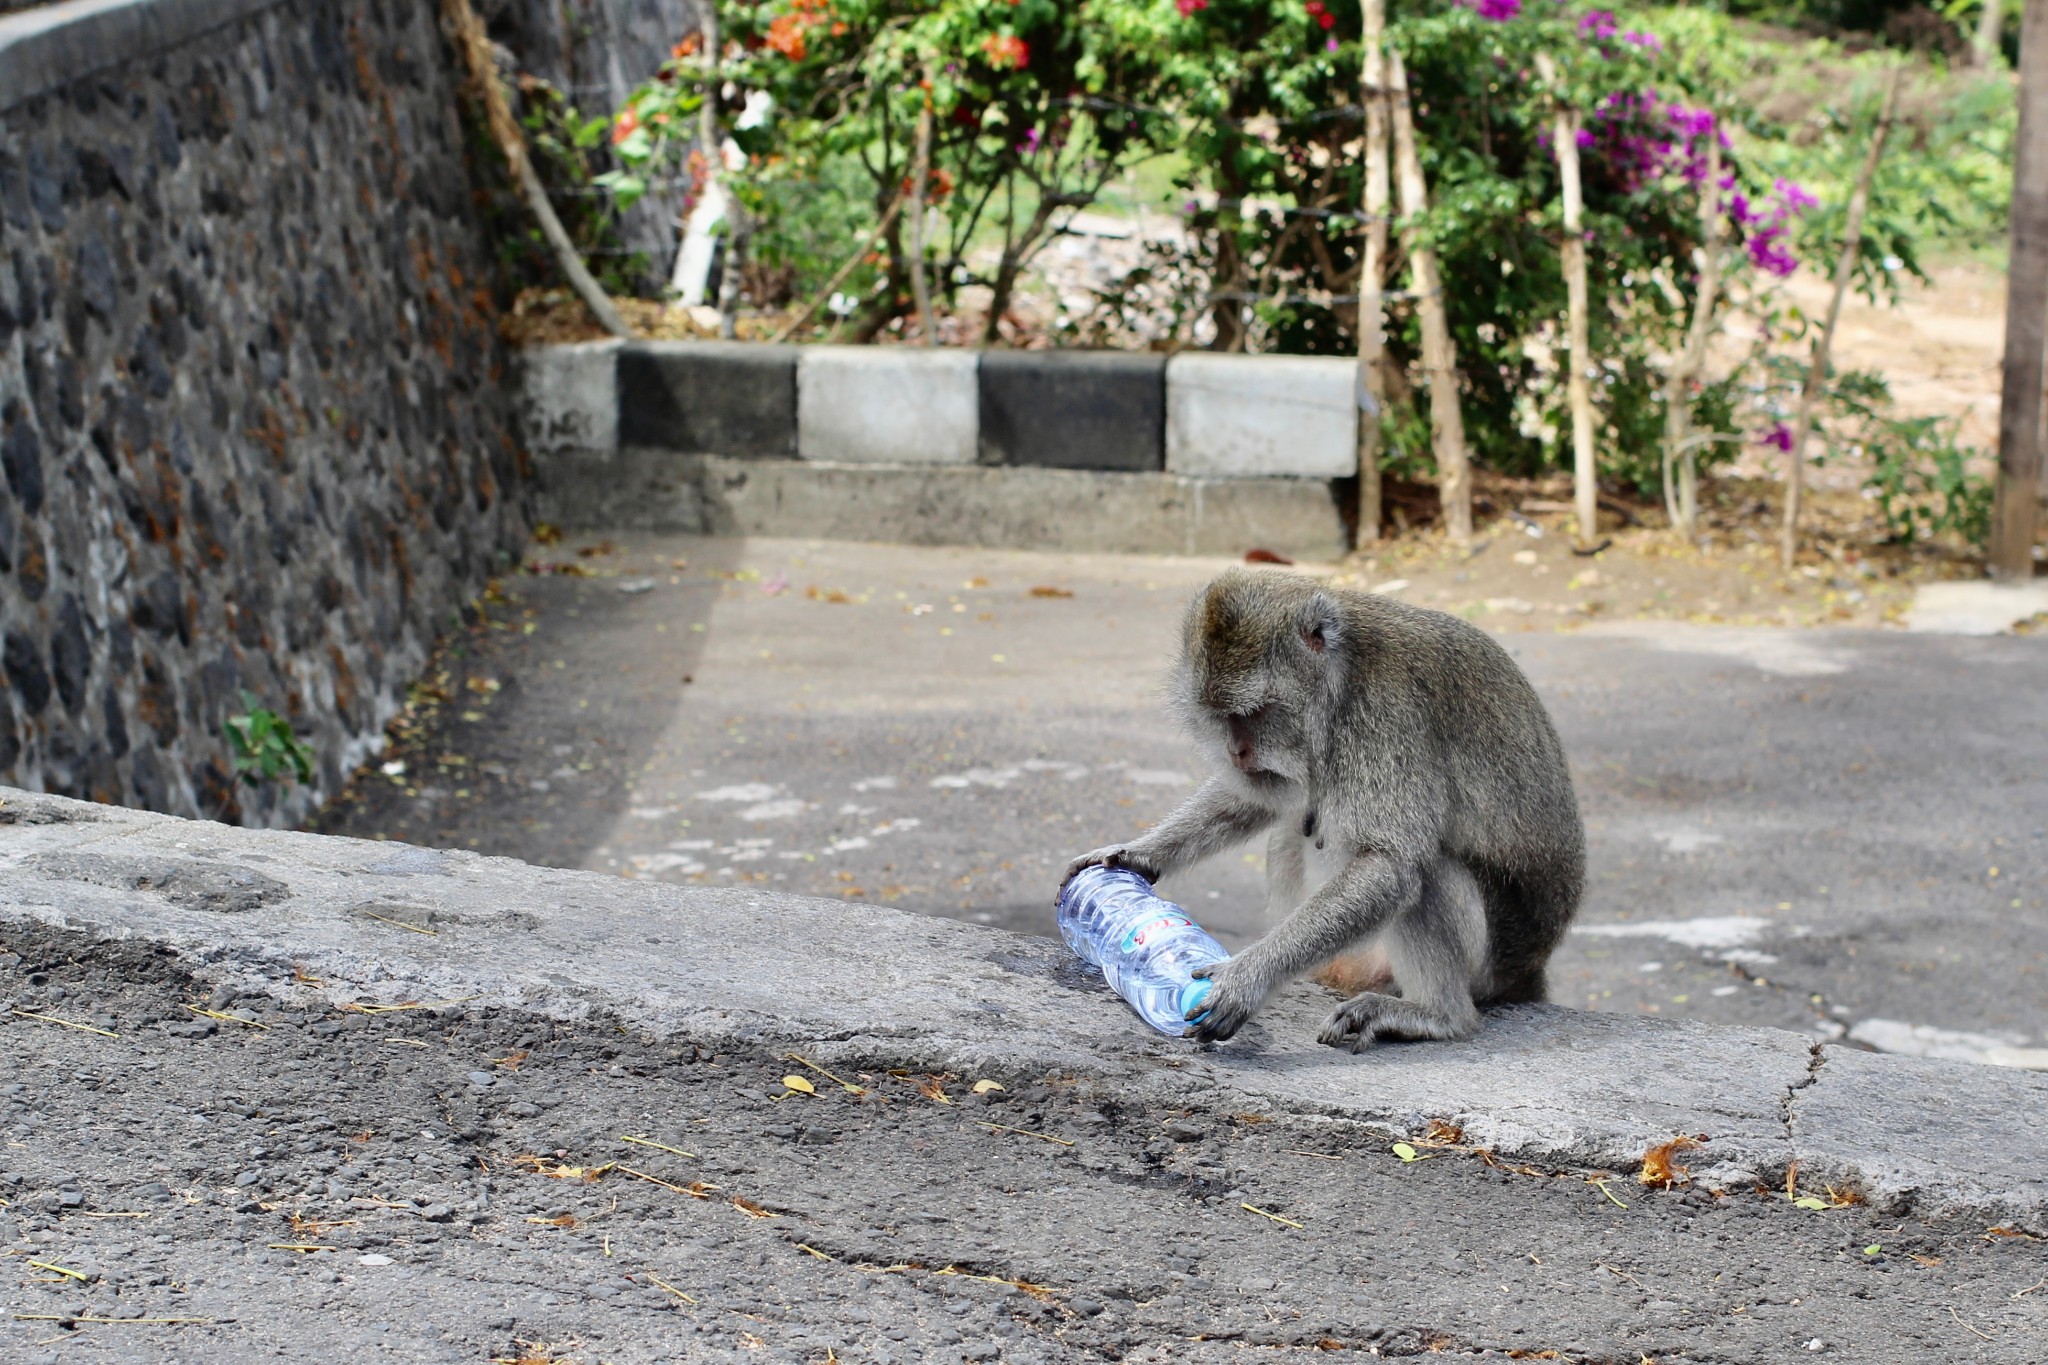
{"type": "Point", "coordinates": [2016, 511]}
{"type": "Point", "coordinates": [1681, 483]}
{"type": "Point", "coordinates": [1845, 269]}
{"type": "Point", "coordinates": [1578, 383]}
{"type": "Point", "coordinates": [1439, 354]}
{"type": "Point", "coordinates": [920, 174]}
{"type": "Point", "coordinates": [466, 32]}
{"type": "Point", "coordinates": [1372, 308]}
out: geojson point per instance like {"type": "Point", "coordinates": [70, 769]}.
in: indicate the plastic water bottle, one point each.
{"type": "Point", "coordinates": [1147, 947]}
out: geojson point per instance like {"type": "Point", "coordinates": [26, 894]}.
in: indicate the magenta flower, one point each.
{"type": "Point", "coordinates": [1647, 41]}
{"type": "Point", "coordinates": [1779, 436]}
{"type": "Point", "coordinates": [1599, 25]}
{"type": "Point", "coordinates": [1499, 11]}
{"type": "Point", "coordinates": [1768, 252]}
{"type": "Point", "coordinates": [1793, 197]}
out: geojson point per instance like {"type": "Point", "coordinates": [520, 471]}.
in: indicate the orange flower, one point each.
{"type": "Point", "coordinates": [1006, 49]}
{"type": "Point", "coordinates": [687, 47]}
{"type": "Point", "coordinates": [786, 35]}
{"type": "Point", "coordinates": [627, 125]}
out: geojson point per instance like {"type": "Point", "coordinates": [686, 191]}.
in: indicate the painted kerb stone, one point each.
{"type": "Point", "coordinates": [1233, 416]}
{"type": "Point", "coordinates": [709, 397]}
{"type": "Point", "coordinates": [1074, 410]}
{"type": "Point", "coordinates": [886, 405]}
{"type": "Point", "coordinates": [569, 398]}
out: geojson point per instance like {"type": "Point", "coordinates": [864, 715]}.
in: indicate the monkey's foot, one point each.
{"type": "Point", "coordinates": [1367, 1017]}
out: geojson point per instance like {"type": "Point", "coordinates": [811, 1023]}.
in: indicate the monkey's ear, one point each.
{"type": "Point", "coordinates": [1320, 623]}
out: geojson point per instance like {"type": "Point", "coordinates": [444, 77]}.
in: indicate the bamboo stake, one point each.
{"type": "Point", "coordinates": [1984, 43]}
{"type": "Point", "coordinates": [845, 268]}
{"type": "Point", "coordinates": [1817, 370]}
{"type": "Point", "coordinates": [920, 174]}
{"type": "Point", "coordinates": [2016, 508]}
{"type": "Point", "coordinates": [1439, 354]}
{"type": "Point", "coordinates": [466, 32]}
{"type": "Point", "coordinates": [1681, 466]}
{"type": "Point", "coordinates": [1372, 308]}
{"type": "Point", "coordinates": [1578, 383]}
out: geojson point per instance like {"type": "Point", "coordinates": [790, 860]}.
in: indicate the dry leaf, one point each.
{"type": "Point", "coordinates": [751, 1209]}
{"type": "Point", "coordinates": [977, 582]}
{"type": "Point", "coordinates": [1660, 1165]}
{"type": "Point", "coordinates": [1047, 590]}
{"type": "Point", "coordinates": [554, 1170]}
{"type": "Point", "coordinates": [1445, 1132]}
{"type": "Point", "coordinates": [799, 1083]}
{"type": "Point", "coordinates": [930, 1088]}
{"type": "Point", "coordinates": [565, 1220]}
{"type": "Point", "coordinates": [983, 1087]}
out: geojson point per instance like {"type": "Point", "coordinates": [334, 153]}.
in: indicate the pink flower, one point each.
{"type": "Point", "coordinates": [1499, 11]}
{"type": "Point", "coordinates": [1793, 197]}
{"type": "Point", "coordinates": [1598, 25]}
{"type": "Point", "coordinates": [1190, 7]}
{"type": "Point", "coordinates": [1768, 252]}
{"type": "Point", "coordinates": [1779, 435]}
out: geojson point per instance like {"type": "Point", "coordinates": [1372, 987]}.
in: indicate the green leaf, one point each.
{"type": "Point", "coordinates": [1405, 1152]}
{"type": "Point", "coordinates": [1807, 1201]}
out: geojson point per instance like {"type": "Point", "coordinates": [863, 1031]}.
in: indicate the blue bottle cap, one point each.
{"type": "Point", "coordinates": [1193, 994]}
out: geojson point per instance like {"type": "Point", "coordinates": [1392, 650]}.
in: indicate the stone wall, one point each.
{"type": "Point", "coordinates": [253, 429]}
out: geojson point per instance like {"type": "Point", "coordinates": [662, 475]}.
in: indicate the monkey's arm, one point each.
{"type": "Point", "coordinates": [1214, 818]}
{"type": "Point", "coordinates": [1355, 904]}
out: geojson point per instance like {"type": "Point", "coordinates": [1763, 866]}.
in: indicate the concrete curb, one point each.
{"type": "Point", "coordinates": [1189, 455]}
{"type": "Point", "coordinates": [863, 984]}
{"type": "Point", "coordinates": [1082, 511]}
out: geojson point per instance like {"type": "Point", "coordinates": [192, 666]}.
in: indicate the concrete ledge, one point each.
{"type": "Point", "coordinates": [1236, 416]}
{"type": "Point", "coordinates": [886, 405]}
{"type": "Point", "coordinates": [47, 48]}
{"type": "Point", "coordinates": [1074, 410]}
{"type": "Point", "coordinates": [1975, 608]}
{"type": "Point", "coordinates": [569, 399]}
{"type": "Point", "coordinates": [869, 986]}
{"type": "Point", "coordinates": [709, 397]}
{"type": "Point", "coordinates": [1019, 508]}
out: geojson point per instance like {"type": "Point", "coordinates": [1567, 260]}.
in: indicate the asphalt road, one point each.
{"type": "Point", "coordinates": [463, 1183]}
{"type": "Point", "coordinates": [1838, 832]}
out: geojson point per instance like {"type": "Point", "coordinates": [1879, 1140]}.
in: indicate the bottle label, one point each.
{"type": "Point", "coordinates": [1142, 935]}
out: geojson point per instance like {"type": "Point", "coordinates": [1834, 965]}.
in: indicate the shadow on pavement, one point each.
{"type": "Point", "coordinates": [530, 724]}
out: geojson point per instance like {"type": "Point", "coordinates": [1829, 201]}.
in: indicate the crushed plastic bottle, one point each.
{"type": "Point", "coordinates": [1146, 947]}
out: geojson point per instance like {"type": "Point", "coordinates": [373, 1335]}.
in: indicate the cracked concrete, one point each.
{"type": "Point", "coordinates": [383, 924]}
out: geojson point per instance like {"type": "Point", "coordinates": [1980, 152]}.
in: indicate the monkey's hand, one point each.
{"type": "Point", "coordinates": [1114, 855]}
{"type": "Point", "coordinates": [1237, 991]}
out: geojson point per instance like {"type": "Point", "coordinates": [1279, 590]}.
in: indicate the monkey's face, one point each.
{"type": "Point", "coordinates": [1255, 658]}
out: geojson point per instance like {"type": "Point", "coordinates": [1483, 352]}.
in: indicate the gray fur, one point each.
{"type": "Point", "coordinates": [1419, 791]}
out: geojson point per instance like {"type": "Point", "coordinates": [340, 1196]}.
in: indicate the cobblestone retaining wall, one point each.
{"type": "Point", "coordinates": [254, 430]}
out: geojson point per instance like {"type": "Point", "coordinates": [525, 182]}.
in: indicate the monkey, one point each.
{"type": "Point", "coordinates": [1416, 793]}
